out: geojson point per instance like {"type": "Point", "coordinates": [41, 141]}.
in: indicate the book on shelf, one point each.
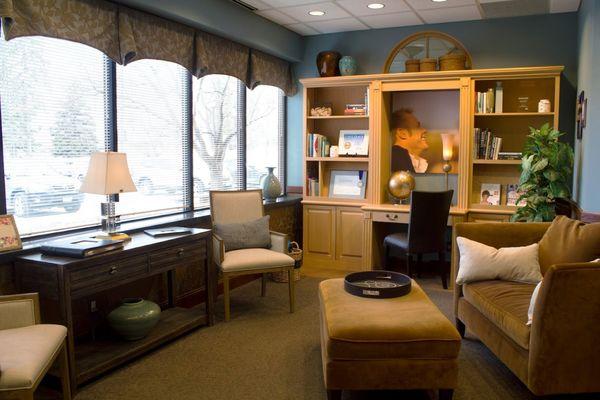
{"type": "Point", "coordinates": [490, 194]}
{"type": "Point", "coordinates": [313, 187]}
{"type": "Point", "coordinates": [486, 146]}
{"type": "Point", "coordinates": [510, 155]}
{"type": "Point", "coordinates": [317, 145]}
{"type": "Point", "coordinates": [490, 101]}
{"type": "Point", "coordinates": [355, 109]}
{"type": "Point", "coordinates": [513, 194]}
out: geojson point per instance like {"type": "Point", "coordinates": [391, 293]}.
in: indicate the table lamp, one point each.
{"type": "Point", "coordinates": [108, 174]}
{"type": "Point", "coordinates": [447, 153]}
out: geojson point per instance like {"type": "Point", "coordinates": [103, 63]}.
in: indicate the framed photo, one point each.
{"type": "Point", "coordinates": [9, 235]}
{"type": "Point", "coordinates": [581, 114]}
{"type": "Point", "coordinates": [353, 143]}
{"type": "Point", "coordinates": [348, 184]}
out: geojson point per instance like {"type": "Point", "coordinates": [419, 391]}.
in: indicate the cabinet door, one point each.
{"type": "Point", "coordinates": [349, 235]}
{"type": "Point", "coordinates": [319, 231]}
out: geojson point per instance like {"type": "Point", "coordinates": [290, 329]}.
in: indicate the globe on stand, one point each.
{"type": "Point", "coordinates": [400, 185]}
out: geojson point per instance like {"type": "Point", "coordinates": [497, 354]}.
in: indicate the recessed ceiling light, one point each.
{"type": "Point", "coordinates": [438, 1]}
{"type": "Point", "coordinates": [317, 13]}
{"type": "Point", "coordinates": [376, 6]}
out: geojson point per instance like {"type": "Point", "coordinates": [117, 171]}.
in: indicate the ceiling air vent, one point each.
{"type": "Point", "coordinates": [245, 5]}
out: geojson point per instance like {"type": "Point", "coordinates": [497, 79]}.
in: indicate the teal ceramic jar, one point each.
{"type": "Point", "coordinates": [134, 318]}
{"type": "Point", "coordinates": [271, 187]}
{"type": "Point", "coordinates": [348, 66]}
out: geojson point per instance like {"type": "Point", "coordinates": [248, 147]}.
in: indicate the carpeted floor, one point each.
{"type": "Point", "coordinates": [265, 352]}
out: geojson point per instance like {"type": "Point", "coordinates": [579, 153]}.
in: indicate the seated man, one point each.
{"type": "Point", "coordinates": [409, 141]}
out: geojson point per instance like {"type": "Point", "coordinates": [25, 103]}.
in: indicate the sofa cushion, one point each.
{"type": "Point", "coordinates": [569, 241]}
{"type": "Point", "coordinates": [411, 326]}
{"type": "Point", "coordinates": [246, 259]}
{"type": "Point", "coordinates": [245, 235]}
{"type": "Point", "coordinates": [505, 304]}
{"type": "Point", "coordinates": [26, 352]}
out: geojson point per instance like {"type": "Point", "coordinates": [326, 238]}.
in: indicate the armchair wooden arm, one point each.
{"type": "Point", "coordinates": [279, 242]}
{"type": "Point", "coordinates": [565, 331]}
{"type": "Point", "coordinates": [19, 310]}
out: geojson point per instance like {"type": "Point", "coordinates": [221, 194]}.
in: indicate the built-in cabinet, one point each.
{"type": "Point", "coordinates": [346, 234]}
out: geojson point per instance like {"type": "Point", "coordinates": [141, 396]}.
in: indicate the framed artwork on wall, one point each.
{"type": "Point", "coordinates": [9, 235]}
{"type": "Point", "coordinates": [581, 114]}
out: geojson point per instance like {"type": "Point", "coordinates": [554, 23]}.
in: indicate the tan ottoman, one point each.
{"type": "Point", "coordinates": [401, 343]}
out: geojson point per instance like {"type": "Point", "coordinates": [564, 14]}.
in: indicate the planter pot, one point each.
{"type": "Point", "coordinates": [348, 66]}
{"type": "Point", "coordinates": [134, 318]}
{"type": "Point", "coordinates": [270, 185]}
{"type": "Point", "coordinates": [328, 63]}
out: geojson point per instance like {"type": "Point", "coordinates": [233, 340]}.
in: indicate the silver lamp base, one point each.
{"type": "Point", "coordinates": [111, 223]}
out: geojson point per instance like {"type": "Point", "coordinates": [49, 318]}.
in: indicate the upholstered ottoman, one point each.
{"type": "Point", "coordinates": [401, 343]}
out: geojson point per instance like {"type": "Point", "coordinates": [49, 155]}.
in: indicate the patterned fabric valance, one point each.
{"type": "Point", "coordinates": [266, 69]}
{"type": "Point", "coordinates": [217, 55]}
{"type": "Point", "coordinates": [143, 35]}
{"type": "Point", "coordinates": [90, 22]}
{"type": "Point", "coordinates": [126, 35]}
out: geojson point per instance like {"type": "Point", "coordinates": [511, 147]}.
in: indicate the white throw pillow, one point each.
{"type": "Point", "coordinates": [479, 262]}
{"type": "Point", "coordinates": [534, 296]}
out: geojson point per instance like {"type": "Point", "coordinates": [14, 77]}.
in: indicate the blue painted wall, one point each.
{"type": "Point", "coordinates": [588, 161]}
{"type": "Point", "coordinates": [511, 42]}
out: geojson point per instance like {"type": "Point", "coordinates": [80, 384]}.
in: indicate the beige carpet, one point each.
{"type": "Point", "coordinates": [267, 353]}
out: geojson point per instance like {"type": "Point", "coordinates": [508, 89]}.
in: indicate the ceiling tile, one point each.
{"type": "Point", "coordinates": [338, 25]}
{"type": "Point", "coordinates": [258, 4]}
{"type": "Point", "coordinates": [359, 7]}
{"type": "Point", "coordinates": [300, 13]}
{"type": "Point", "coordinates": [302, 29]}
{"type": "Point", "coordinates": [277, 16]}
{"type": "Point", "coordinates": [561, 6]}
{"type": "Point", "coordinates": [288, 3]}
{"type": "Point", "coordinates": [450, 14]}
{"type": "Point", "coordinates": [428, 4]}
{"type": "Point", "coordinates": [392, 20]}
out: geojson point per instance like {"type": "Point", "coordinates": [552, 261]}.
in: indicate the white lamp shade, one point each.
{"type": "Point", "coordinates": [108, 173]}
{"type": "Point", "coordinates": [447, 146]}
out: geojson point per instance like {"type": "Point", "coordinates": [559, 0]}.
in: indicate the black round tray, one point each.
{"type": "Point", "coordinates": [377, 284]}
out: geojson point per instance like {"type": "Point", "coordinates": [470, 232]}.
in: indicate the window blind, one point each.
{"type": "Point", "coordinates": [151, 129]}
{"type": "Point", "coordinates": [52, 94]}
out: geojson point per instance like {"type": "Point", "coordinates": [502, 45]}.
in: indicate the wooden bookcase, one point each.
{"type": "Point", "coordinates": [346, 234]}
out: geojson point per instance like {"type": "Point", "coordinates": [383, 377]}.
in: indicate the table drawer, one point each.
{"type": "Point", "coordinates": [182, 254]}
{"type": "Point", "coordinates": [99, 274]}
{"type": "Point", "coordinates": [394, 217]}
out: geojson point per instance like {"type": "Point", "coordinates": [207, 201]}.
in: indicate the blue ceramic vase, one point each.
{"type": "Point", "coordinates": [134, 318]}
{"type": "Point", "coordinates": [270, 185]}
{"type": "Point", "coordinates": [348, 66]}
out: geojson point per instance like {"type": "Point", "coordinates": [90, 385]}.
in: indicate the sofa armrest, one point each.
{"type": "Point", "coordinates": [19, 310]}
{"type": "Point", "coordinates": [564, 356]}
{"type": "Point", "coordinates": [495, 234]}
{"type": "Point", "coordinates": [279, 242]}
{"type": "Point", "coordinates": [218, 249]}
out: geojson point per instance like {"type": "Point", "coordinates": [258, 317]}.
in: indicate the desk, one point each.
{"type": "Point", "coordinates": [379, 220]}
{"type": "Point", "coordinates": [61, 280]}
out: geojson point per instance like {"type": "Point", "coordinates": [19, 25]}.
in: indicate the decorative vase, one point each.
{"type": "Point", "coordinates": [134, 318]}
{"type": "Point", "coordinates": [328, 63]}
{"type": "Point", "coordinates": [348, 66]}
{"type": "Point", "coordinates": [270, 185]}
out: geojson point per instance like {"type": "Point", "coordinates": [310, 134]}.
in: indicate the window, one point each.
{"type": "Point", "coordinates": [60, 101]}
{"type": "Point", "coordinates": [217, 135]}
{"type": "Point", "coordinates": [52, 96]}
{"type": "Point", "coordinates": [150, 129]}
{"type": "Point", "coordinates": [264, 133]}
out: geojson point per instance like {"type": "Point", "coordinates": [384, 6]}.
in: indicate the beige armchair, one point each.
{"type": "Point", "coordinates": [241, 206]}
{"type": "Point", "coordinates": [28, 349]}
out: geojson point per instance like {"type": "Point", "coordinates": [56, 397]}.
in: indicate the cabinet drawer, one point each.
{"type": "Point", "coordinates": [396, 217]}
{"type": "Point", "coordinates": [95, 275]}
{"type": "Point", "coordinates": [184, 253]}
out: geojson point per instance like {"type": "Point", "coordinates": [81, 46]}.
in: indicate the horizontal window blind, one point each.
{"type": "Point", "coordinates": [52, 94]}
{"type": "Point", "coordinates": [216, 131]}
{"type": "Point", "coordinates": [264, 133]}
{"type": "Point", "coordinates": [150, 129]}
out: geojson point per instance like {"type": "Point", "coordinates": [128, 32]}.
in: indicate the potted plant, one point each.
{"type": "Point", "coordinates": [546, 171]}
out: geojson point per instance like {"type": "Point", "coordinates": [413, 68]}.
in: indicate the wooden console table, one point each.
{"type": "Point", "coordinates": [60, 281]}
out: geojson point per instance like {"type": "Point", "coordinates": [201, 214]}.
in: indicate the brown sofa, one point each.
{"type": "Point", "coordinates": [560, 352]}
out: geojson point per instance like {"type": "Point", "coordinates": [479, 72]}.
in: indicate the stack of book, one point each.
{"type": "Point", "coordinates": [317, 145]}
{"type": "Point", "coordinates": [486, 146]}
{"type": "Point", "coordinates": [485, 102]}
{"type": "Point", "coordinates": [313, 187]}
{"type": "Point", "coordinates": [355, 109]}
{"type": "Point", "coordinates": [510, 155]}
